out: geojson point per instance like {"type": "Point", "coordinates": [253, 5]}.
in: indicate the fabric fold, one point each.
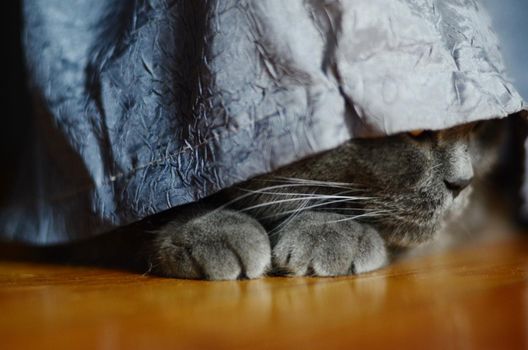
{"type": "Point", "coordinates": [144, 106]}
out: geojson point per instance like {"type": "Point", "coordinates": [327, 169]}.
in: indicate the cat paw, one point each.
{"type": "Point", "coordinates": [221, 245]}
{"type": "Point", "coordinates": [323, 244]}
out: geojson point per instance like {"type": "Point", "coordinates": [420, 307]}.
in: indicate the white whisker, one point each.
{"type": "Point", "coordinates": [318, 205]}
{"type": "Point", "coordinates": [355, 217]}
{"type": "Point", "coordinates": [269, 190]}
{"type": "Point", "coordinates": [288, 220]}
{"type": "Point", "coordinates": [265, 191]}
{"type": "Point", "coordinates": [289, 200]}
{"type": "Point", "coordinates": [317, 183]}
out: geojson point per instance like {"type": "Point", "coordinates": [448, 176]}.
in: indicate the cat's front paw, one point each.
{"type": "Point", "coordinates": [221, 245]}
{"type": "Point", "coordinates": [324, 244]}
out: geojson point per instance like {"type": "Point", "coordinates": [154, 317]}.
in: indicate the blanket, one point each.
{"type": "Point", "coordinates": [142, 106]}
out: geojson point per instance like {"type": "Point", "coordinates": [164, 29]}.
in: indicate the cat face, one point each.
{"type": "Point", "coordinates": [407, 186]}
{"type": "Point", "coordinates": [419, 180]}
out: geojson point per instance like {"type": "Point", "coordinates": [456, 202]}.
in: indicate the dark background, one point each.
{"type": "Point", "coordinates": [15, 119]}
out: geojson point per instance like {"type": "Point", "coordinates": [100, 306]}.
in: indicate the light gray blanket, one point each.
{"type": "Point", "coordinates": [142, 106]}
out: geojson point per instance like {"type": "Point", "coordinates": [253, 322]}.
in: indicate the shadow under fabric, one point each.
{"type": "Point", "coordinates": [144, 106]}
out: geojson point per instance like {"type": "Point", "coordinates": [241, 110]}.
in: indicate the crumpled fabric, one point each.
{"type": "Point", "coordinates": [141, 106]}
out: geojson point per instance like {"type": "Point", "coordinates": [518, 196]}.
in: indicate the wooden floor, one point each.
{"type": "Point", "coordinates": [471, 298]}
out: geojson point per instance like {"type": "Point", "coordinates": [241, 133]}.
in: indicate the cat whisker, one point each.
{"type": "Point", "coordinates": [313, 206]}
{"type": "Point", "coordinates": [299, 210]}
{"type": "Point", "coordinates": [343, 209]}
{"type": "Point", "coordinates": [314, 183]}
{"type": "Point", "coordinates": [257, 192]}
{"type": "Point", "coordinates": [314, 197]}
{"type": "Point", "coordinates": [270, 191]}
{"type": "Point", "coordinates": [360, 216]}
{"type": "Point", "coordinates": [249, 194]}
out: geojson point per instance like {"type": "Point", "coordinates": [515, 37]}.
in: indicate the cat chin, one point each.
{"type": "Point", "coordinates": [408, 235]}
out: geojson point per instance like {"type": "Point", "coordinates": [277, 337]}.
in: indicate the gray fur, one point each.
{"type": "Point", "coordinates": [333, 214]}
{"type": "Point", "coordinates": [326, 244]}
{"type": "Point", "coordinates": [219, 245]}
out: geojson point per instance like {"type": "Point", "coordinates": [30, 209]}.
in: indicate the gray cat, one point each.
{"type": "Point", "coordinates": [333, 214]}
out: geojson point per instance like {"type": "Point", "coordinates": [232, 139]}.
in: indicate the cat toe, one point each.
{"type": "Point", "coordinates": [223, 245]}
{"type": "Point", "coordinates": [372, 253]}
{"type": "Point", "coordinates": [304, 255]}
{"type": "Point", "coordinates": [325, 246]}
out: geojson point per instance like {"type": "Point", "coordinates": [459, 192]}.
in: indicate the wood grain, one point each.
{"type": "Point", "coordinates": [470, 298]}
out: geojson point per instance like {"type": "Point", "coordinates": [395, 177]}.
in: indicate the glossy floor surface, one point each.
{"type": "Point", "coordinates": [468, 298]}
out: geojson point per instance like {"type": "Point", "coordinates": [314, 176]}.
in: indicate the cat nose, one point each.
{"type": "Point", "coordinates": [456, 185]}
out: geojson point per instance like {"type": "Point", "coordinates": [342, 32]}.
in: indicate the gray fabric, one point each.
{"type": "Point", "coordinates": [143, 106]}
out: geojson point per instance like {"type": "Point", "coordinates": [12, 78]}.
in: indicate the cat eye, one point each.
{"type": "Point", "coordinates": [416, 133]}
{"type": "Point", "coordinates": [420, 134]}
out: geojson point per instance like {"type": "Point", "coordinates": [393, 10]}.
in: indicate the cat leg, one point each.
{"type": "Point", "coordinates": [323, 244]}
{"type": "Point", "coordinates": [219, 245]}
